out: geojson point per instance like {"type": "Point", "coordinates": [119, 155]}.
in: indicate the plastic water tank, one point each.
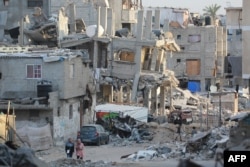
{"type": "Point", "coordinates": [43, 88]}
{"type": "Point", "coordinates": [91, 31]}
{"type": "Point", "coordinates": [207, 20]}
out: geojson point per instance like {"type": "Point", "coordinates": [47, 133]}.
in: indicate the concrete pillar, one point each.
{"type": "Point", "coordinates": [140, 26]}
{"type": "Point", "coordinates": [166, 25]}
{"type": "Point", "coordinates": [162, 100]}
{"type": "Point", "coordinates": [103, 19]}
{"type": "Point", "coordinates": [163, 65]}
{"type": "Point", "coordinates": [157, 20]}
{"type": "Point", "coordinates": [21, 35]}
{"type": "Point", "coordinates": [98, 21]}
{"type": "Point", "coordinates": [110, 22]}
{"type": "Point", "coordinates": [148, 29]}
{"type": "Point", "coordinates": [154, 100]}
{"type": "Point", "coordinates": [72, 18]}
{"type": "Point", "coordinates": [95, 54]}
{"type": "Point", "coordinates": [149, 96]}
{"type": "Point", "coordinates": [135, 85]}
{"type": "Point", "coordinates": [128, 94]}
{"type": "Point", "coordinates": [120, 95]}
{"type": "Point", "coordinates": [160, 59]}
{"type": "Point", "coordinates": [171, 106]}
{"type": "Point", "coordinates": [245, 41]}
{"type": "Point", "coordinates": [3, 16]}
{"type": "Point", "coordinates": [138, 55]}
{"type": "Point", "coordinates": [154, 59]}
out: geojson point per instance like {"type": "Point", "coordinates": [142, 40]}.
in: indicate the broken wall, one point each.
{"type": "Point", "coordinates": [4, 135]}
{"type": "Point", "coordinates": [66, 121]}
{"type": "Point", "coordinates": [24, 8]}
{"type": "Point", "coordinates": [38, 138]}
{"type": "Point", "coordinates": [84, 10]}
{"type": "Point", "coordinates": [124, 65]}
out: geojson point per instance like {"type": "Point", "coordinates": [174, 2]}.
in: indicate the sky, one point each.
{"type": "Point", "coordinates": [193, 5]}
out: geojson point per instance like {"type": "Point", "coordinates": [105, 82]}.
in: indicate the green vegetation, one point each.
{"type": "Point", "coordinates": [211, 10]}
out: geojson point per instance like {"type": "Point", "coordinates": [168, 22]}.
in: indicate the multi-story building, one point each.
{"type": "Point", "coordinates": [201, 59]}
{"type": "Point", "coordinates": [200, 63]}
{"type": "Point", "coordinates": [245, 43]}
{"type": "Point", "coordinates": [46, 87]}
{"type": "Point", "coordinates": [233, 61]}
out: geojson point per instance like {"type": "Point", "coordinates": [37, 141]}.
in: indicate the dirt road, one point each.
{"type": "Point", "coordinates": [110, 153]}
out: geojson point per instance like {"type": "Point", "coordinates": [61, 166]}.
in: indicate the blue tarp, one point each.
{"type": "Point", "coordinates": [194, 86]}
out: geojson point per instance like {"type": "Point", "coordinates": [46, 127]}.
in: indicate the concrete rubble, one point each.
{"type": "Point", "coordinates": [12, 155]}
{"type": "Point", "coordinates": [160, 144]}
{"type": "Point", "coordinates": [157, 134]}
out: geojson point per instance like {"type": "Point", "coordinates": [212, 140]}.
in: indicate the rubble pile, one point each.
{"type": "Point", "coordinates": [67, 162]}
{"type": "Point", "coordinates": [201, 146]}
{"type": "Point", "coordinates": [13, 155]}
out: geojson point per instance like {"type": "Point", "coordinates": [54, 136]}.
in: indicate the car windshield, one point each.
{"type": "Point", "coordinates": [88, 128]}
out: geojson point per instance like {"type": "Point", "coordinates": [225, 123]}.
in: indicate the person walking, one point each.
{"type": "Point", "coordinates": [194, 131]}
{"type": "Point", "coordinates": [69, 148]}
{"type": "Point", "coordinates": [79, 149]}
{"type": "Point", "coordinates": [179, 122]}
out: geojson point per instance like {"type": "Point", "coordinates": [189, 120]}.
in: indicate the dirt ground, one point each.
{"type": "Point", "coordinates": [109, 153]}
{"type": "Point", "coordinates": [163, 134]}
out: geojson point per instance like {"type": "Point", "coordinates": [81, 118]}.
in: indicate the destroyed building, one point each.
{"type": "Point", "coordinates": [233, 60]}
{"type": "Point", "coordinates": [240, 131]}
{"type": "Point", "coordinates": [125, 11]}
{"type": "Point", "coordinates": [46, 88]}
{"type": "Point", "coordinates": [11, 19]}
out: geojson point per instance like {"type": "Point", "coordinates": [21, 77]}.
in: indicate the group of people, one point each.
{"type": "Point", "coordinates": [77, 147]}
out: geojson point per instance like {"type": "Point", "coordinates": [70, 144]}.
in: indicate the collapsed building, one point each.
{"type": "Point", "coordinates": [126, 66]}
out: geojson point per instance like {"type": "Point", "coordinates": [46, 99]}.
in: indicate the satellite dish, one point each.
{"type": "Point", "coordinates": [213, 88]}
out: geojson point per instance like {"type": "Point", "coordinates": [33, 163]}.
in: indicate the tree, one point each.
{"type": "Point", "coordinates": [211, 10]}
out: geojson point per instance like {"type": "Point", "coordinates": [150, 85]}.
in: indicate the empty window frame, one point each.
{"type": "Point", "coordinates": [34, 3]}
{"type": "Point", "coordinates": [194, 38]}
{"type": "Point", "coordinates": [33, 71]}
{"type": "Point", "coordinates": [238, 32]}
{"type": "Point", "coordinates": [178, 36]}
{"type": "Point", "coordinates": [182, 47]}
{"type": "Point", "coordinates": [125, 56]}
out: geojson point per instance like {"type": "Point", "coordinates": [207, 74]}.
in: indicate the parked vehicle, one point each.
{"type": "Point", "coordinates": [186, 116]}
{"type": "Point", "coordinates": [94, 134]}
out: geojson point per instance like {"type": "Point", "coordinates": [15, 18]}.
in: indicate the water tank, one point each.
{"type": "Point", "coordinates": [207, 20]}
{"type": "Point", "coordinates": [183, 83]}
{"type": "Point", "coordinates": [43, 88]}
{"type": "Point", "coordinates": [194, 86]}
{"type": "Point", "coordinates": [91, 31]}
{"type": "Point", "coordinates": [124, 32]}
